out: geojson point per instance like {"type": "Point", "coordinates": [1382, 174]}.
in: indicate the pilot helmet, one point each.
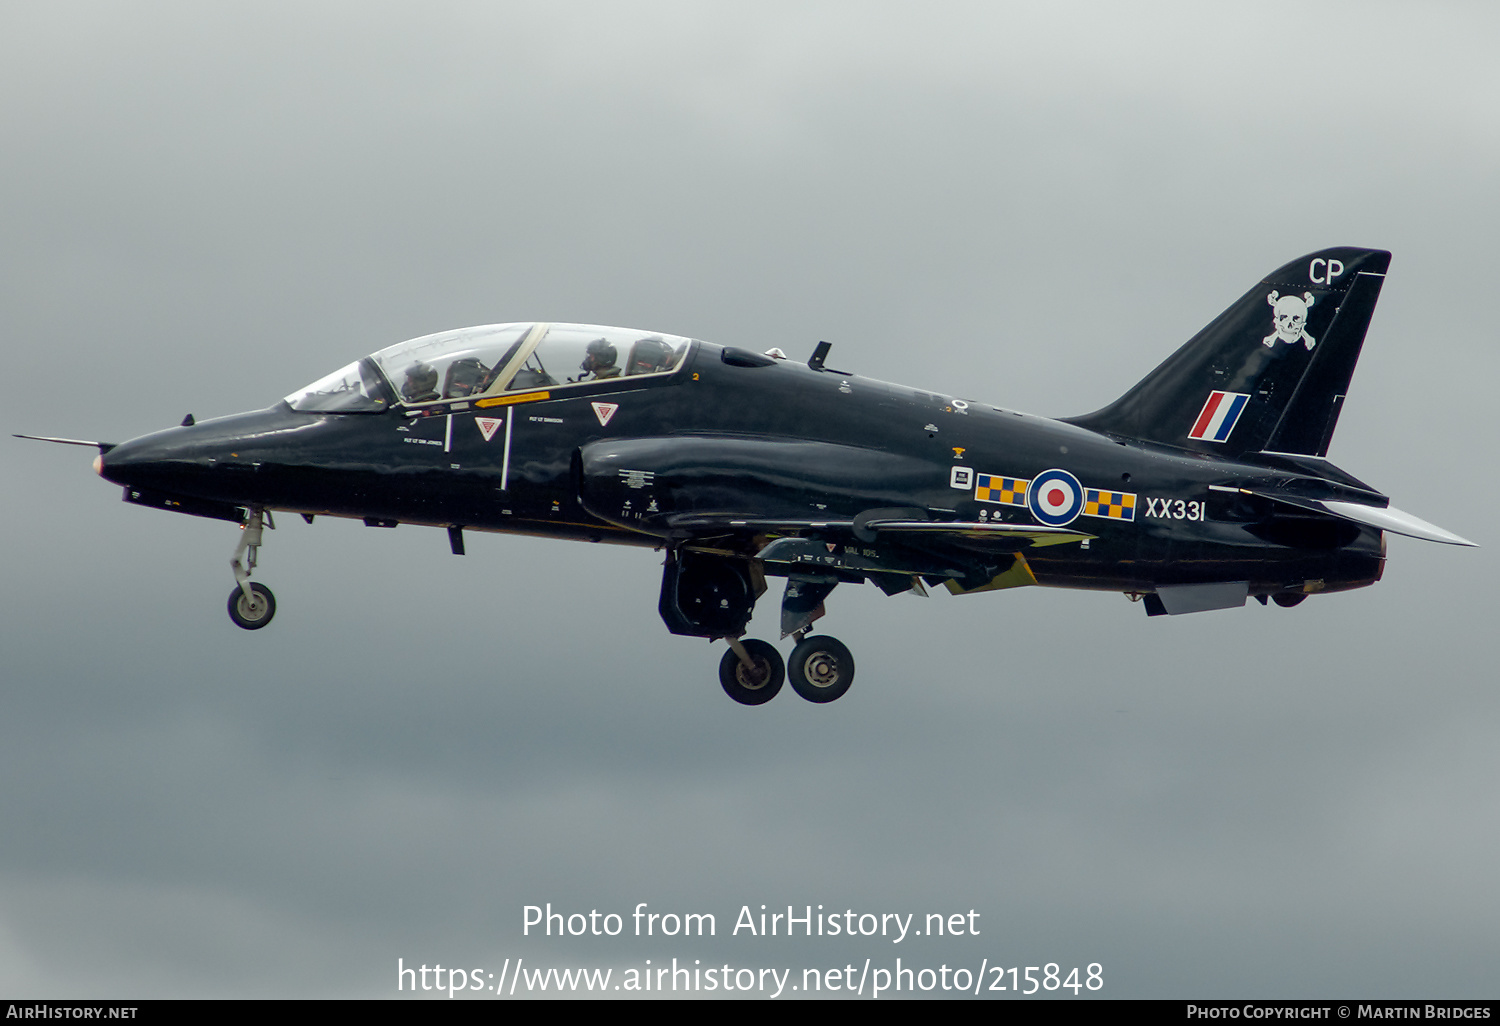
{"type": "Point", "coordinates": [649, 356]}
{"type": "Point", "coordinates": [464, 377]}
{"type": "Point", "coordinates": [599, 354]}
{"type": "Point", "coordinates": [420, 377]}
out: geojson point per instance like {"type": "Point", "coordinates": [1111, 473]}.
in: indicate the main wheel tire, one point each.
{"type": "Point", "coordinates": [821, 668]}
{"type": "Point", "coordinates": [749, 688]}
{"type": "Point", "coordinates": [252, 616]}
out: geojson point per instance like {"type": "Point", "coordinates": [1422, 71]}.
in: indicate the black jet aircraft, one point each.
{"type": "Point", "coordinates": [1204, 485]}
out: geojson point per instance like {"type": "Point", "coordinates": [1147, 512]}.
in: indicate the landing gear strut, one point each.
{"type": "Point", "coordinates": [706, 595]}
{"type": "Point", "coordinates": [251, 606]}
{"type": "Point", "coordinates": [820, 668]}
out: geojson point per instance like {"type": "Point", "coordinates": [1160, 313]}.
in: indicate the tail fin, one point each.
{"type": "Point", "coordinates": [1270, 373]}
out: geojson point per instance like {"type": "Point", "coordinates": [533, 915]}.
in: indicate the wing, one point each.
{"type": "Point", "coordinates": [761, 498]}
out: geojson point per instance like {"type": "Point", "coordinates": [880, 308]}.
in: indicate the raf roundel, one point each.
{"type": "Point", "coordinates": [1055, 497]}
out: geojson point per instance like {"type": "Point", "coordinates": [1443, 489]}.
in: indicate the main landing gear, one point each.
{"type": "Point", "coordinates": [251, 606]}
{"type": "Point", "coordinates": [708, 596]}
{"type": "Point", "coordinates": [751, 671]}
{"type": "Point", "coordinates": [820, 669]}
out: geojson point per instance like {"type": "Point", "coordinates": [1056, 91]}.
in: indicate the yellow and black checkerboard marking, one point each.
{"type": "Point", "coordinates": [1112, 505]}
{"type": "Point", "coordinates": [1006, 491]}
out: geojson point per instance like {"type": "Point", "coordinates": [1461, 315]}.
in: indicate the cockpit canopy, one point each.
{"type": "Point", "coordinates": [488, 360]}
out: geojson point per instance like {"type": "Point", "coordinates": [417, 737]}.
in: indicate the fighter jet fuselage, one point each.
{"type": "Point", "coordinates": [1204, 485]}
{"type": "Point", "coordinates": [727, 438]}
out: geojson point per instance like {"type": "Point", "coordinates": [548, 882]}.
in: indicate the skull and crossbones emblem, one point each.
{"type": "Point", "coordinates": [1290, 315]}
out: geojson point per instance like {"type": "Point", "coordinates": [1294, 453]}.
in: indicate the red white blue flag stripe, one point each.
{"type": "Point", "coordinates": [1220, 413]}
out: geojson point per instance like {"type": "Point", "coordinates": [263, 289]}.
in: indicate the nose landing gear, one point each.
{"type": "Point", "coordinates": [251, 606]}
{"type": "Point", "coordinates": [254, 611]}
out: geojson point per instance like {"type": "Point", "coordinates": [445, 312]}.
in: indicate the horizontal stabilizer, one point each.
{"type": "Point", "coordinates": [1387, 519]}
{"type": "Point", "coordinates": [1395, 521]}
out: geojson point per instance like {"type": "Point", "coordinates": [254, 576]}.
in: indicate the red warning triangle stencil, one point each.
{"type": "Point", "coordinates": [604, 411]}
{"type": "Point", "coordinates": [487, 426]}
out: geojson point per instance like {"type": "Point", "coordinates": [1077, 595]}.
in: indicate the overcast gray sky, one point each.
{"type": "Point", "coordinates": [203, 207]}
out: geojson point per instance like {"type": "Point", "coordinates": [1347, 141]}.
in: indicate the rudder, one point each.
{"type": "Point", "coordinates": [1270, 372]}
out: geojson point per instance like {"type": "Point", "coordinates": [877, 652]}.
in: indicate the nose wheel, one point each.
{"type": "Point", "coordinates": [251, 605]}
{"type": "Point", "coordinates": [253, 611]}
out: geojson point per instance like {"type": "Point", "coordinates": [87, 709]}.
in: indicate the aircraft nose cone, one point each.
{"type": "Point", "coordinates": [164, 460]}
{"type": "Point", "coordinates": [109, 469]}
{"type": "Point", "coordinates": [117, 464]}
{"type": "Point", "coordinates": [216, 459]}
